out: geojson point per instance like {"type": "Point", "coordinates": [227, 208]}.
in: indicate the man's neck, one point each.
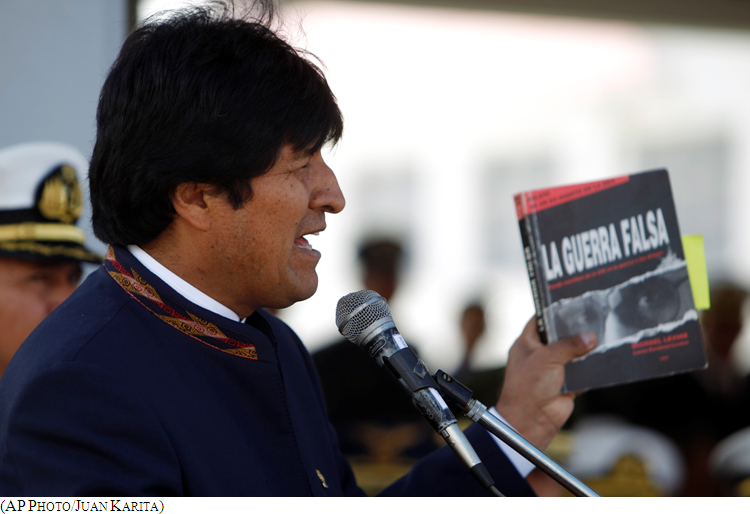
{"type": "Point", "coordinates": [182, 287]}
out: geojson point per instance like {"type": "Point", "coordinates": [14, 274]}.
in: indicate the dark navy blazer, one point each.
{"type": "Point", "coordinates": [130, 389]}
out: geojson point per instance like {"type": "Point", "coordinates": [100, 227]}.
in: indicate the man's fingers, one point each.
{"type": "Point", "coordinates": [529, 339]}
{"type": "Point", "coordinates": [567, 349]}
{"type": "Point", "coordinates": [530, 329]}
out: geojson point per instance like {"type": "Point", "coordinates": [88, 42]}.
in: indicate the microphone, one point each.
{"type": "Point", "coordinates": [364, 318]}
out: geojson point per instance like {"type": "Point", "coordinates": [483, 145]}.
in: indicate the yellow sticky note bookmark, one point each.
{"type": "Point", "coordinates": [696, 264]}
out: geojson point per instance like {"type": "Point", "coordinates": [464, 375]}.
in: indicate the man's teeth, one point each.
{"type": "Point", "coordinates": [306, 245]}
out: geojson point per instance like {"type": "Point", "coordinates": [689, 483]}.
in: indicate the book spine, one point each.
{"type": "Point", "coordinates": [532, 266]}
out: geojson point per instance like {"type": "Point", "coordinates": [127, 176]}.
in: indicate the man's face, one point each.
{"type": "Point", "coordinates": [262, 250]}
{"type": "Point", "coordinates": [29, 291]}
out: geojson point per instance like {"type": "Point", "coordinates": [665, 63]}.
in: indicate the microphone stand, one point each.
{"type": "Point", "coordinates": [461, 396]}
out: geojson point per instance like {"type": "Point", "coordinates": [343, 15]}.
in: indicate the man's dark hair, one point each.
{"type": "Point", "coordinates": [200, 95]}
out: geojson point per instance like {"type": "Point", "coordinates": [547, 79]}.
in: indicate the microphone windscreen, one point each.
{"type": "Point", "coordinates": [357, 311]}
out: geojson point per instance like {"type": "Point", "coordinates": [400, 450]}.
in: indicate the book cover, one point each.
{"type": "Point", "coordinates": [607, 257]}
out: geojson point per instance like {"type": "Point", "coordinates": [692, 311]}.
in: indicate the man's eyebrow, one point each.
{"type": "Point", "coordinates": [304, 153]}
{"type": "Point", "coordinates": [300, 155]}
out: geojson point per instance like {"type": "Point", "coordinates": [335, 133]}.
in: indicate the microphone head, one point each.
{"type": "Point", "coordinates": [359, 314]}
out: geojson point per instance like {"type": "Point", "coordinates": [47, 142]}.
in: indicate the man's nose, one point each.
{"type": "Point", "coordinates": [327, 195]}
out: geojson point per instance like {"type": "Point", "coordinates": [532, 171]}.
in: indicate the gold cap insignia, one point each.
{"type": "Point", "coordinates": [61, 196]}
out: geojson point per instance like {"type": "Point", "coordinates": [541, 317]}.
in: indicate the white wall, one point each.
{"type": "Point", "coordinates": [54, 56]}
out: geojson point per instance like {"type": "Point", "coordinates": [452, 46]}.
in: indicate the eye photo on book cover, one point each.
{"type": "Point", "coordinates": [656, 302]}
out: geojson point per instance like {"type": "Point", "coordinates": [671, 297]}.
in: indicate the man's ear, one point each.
{"type": "Point", "coordinates": [189, 201]}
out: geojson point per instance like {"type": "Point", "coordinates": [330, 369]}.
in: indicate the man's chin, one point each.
{"type": "Point", "coordinates": [301, 293]}
{"type": "Point", "coordinates": [308, 291]}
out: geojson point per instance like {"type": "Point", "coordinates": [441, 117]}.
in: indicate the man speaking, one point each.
{"type": "Point", "coordinates": [162, 374]}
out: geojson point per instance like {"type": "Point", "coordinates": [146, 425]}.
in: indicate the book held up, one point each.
{"type": "Point", "coordinates": [606, 257]}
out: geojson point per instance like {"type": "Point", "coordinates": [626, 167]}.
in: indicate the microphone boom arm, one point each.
{"type": "Point", "coordinates": [409, 370]}
{"type": "Point", "coordinates": [461, 396]}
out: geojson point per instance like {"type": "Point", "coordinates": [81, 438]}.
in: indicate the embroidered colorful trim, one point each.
{"type": "Point", "coordinates": [186, 322]}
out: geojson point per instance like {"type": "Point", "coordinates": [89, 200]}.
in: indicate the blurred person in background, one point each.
{"type": "Point", "coordinates": [484, 382]}
{"type": "Point", "coordinates": [375, 421]}
{"type": "Point", "coordinates": [617, 458]}
{"type": "Point", "coordinates": [730, 464]}
{"type": "Point", "coordinates": [473, 325]}
{"type": "Point", "coordinates": [41, 248]}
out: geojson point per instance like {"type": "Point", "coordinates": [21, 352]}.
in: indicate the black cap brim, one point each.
{"type": "Point", "coordinates": [47, 251]}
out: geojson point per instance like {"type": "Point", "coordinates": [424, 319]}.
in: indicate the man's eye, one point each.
{"type": "Point", "coordinates": [38, 277]}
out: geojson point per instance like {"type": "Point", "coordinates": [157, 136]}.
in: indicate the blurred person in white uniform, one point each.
{"type": "Point", "coordinates": [41, 247]}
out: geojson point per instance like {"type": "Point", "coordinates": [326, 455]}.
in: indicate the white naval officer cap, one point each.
{"type": "Point", "coordinates": [40, 202]}
{"type": "Point", "coordinates": [730, 461]}
{"type": "Point", "coordinates": [617, 458]}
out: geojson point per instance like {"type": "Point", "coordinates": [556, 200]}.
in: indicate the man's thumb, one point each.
{"type": "Point", "coordinates": [571, 347]}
